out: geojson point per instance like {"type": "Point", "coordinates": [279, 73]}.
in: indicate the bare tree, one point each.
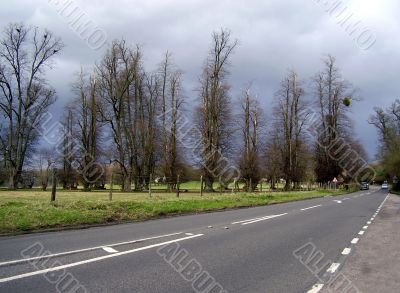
{"type": "Point", "coordinates": [250, 121]}
{"type": "Point", "coordinates": [387, 122]}
{"type": "Point", "coordinates": [128, 104]}
{"type": "Point", "coordinates": [214, 111]}
{"type": "Point", "coordinates": [331, 89]}
{"type": "Point", "coordinates": [291, 116]}
{"type": "Point", "coordinates": [174, 159]}
{"type": "Point", "coordinates": [46, 162]}
{"type": "Point", "coordinates": [273, 162]}
{"type": "Point", "coordinates": [88, 129]}
{"type": "Point", "coordinates": [69, 150]}
{"type": "Point", "coordinates": [165, 75]}
{"type": "Point", "coordinates": [25, 96]}
{"type": "Point", "coordinates": [115, 76]}
{"type": "Point", "coordinates": [171, 106]}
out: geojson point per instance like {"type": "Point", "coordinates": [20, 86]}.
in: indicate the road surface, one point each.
{"type": "Point", "coordinates": [247, 250]}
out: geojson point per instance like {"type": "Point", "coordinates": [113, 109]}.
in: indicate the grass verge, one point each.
{"type": "Point", "coordinates": [26, 211]}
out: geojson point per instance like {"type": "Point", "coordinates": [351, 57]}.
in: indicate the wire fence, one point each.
{"type": "Point", "coordinates": [158, 184]}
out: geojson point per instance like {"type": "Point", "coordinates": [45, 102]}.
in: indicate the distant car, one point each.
{"type": "Point", "coordinates": [364, 186]}
{"type": "Point", "coordinates": [385, 185]}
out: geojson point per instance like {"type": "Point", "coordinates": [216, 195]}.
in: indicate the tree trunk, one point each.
{"type": "Point", "coordinates": [13, 180]}
{"type": "Point", "coordinates": [208, 182]}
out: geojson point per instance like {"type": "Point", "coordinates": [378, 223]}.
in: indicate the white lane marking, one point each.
{"type": "Point", "coordinates": [345, 199]}
{"type": "Point", "coordinates": [369, 222]}
{"type": "Point", "coordinates": [361, 233]}
{"type": "Point", "coordinates": [95, 259]}
{"type": "Point", "coordinates": [263, 219]}
{"type": "Point", "coordinates": [255, 219]}
{"type": "Point", "coordinates": [189, 234]}
{"type": "Point", "coordinates": [110, 249]}
{"type": "Point", "coordinates": [85, 249]}
{"type": "Point", "coordinates": [313, 207]}
{"type": "Point", "coordinates": [365, 227]}
{"type": "Point", "coordinates": [316, 288]}
{"type": "Point", "coordinates": [346, 251]}
{"type": "Point", "coordinates": [244, 221]}
{"type": "Point", "coordinates": [333, 268]}
{"type": "Point", "coordinates": [354, 241]}
{"type": "Point", "coordinates": [338, 201]}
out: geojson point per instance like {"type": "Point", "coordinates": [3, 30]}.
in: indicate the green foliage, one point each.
{"type": "Point", "coordinates": [347, 101]}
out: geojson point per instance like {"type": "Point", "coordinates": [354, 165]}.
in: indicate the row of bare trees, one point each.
{"type": "Point", "coordinates": [122, 106]}
{"type": "Point", "coordinates": [129, 120]}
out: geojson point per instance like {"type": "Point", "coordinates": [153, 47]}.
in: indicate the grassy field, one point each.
{"type": "Point", "coordinates": [22, 211]}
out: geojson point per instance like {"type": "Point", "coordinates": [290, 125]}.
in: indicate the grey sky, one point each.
{"type": "Point", "coordinates": [274, 35]}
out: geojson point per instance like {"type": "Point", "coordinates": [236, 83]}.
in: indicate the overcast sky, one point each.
{"type": "Point", "coordinates": [273, 35]}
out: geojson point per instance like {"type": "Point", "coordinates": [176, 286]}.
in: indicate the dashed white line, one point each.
{"type": "Point", "coordinates": [333, 268]}
{"type": "Point", "coordinates": [365, 227]}
{"type": "Point", "coordinates": [254, 220]}
{"type": "Point", "coordinates": [354, 241]}
{"type": "Point", "coordinates": [313, 207]}
{"type": "Point", "coordinates": [346, 251]}
{"type": "Point", "coordinates": [94, 259]}
{"type": "Point", "coordinates": [316, 288]}
{"type": "Point", "coordinates": [110, 249]}
{"type": "Point", "coordinates": [263, 219]}
{"type": "Point", "coordinates": [369, 222]}
{"type": "Point", "coordinates": [361, 233]}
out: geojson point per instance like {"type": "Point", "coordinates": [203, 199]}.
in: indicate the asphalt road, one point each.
{"type": "Point", "coordinates": [248, 250]}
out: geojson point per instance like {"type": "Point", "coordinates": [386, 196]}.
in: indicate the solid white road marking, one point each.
{"type": "Point", "coordinates": [316, 288]}
{"type": "Point", "coordinates": [95, 259]}
{"type": "Point", "coordinates": [346, 251]}
{"type": "Point", "coordinates": [189, 234]}
{"type": "Point", "coordinates": [333, 268]}
{"type": "Point", "coordinates": [354, 241]}
{"type": "Point", "coordinates": [85, 249]}
{"type": "Point", "coordinates": [361, 233]}
{"type": "Point", "coordinates": [110, 249]}
{"type": "Point", "coordinates": [313, 207]}
{"type": "Point", "coordinates": [263, 219]}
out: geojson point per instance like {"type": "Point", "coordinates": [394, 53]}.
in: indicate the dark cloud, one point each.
{"type": "Point", "coordinates": [274, 35]}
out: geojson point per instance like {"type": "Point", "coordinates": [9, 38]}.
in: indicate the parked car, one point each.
{"type": "Point", "coordinates": [364, 186]}
{"type": "Point", "coordinates": [385, 185]}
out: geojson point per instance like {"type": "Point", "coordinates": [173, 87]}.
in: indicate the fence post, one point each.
{"type": "Point", "coordinates": [201, 185]}
{"type": "Point", "coordinates": [54, 186]}
{"type": "Point", "coordinates": [111, 186]}
{"type": "Point", "coordinates": [220, 185]}
{"type": "Point", "coordinates": [177, 186]}
{"type": "Point", "coordinates": [150, 185]}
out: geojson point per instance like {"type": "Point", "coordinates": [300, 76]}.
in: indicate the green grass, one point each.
{"type": "Point", "coordinates": [22, 211]}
